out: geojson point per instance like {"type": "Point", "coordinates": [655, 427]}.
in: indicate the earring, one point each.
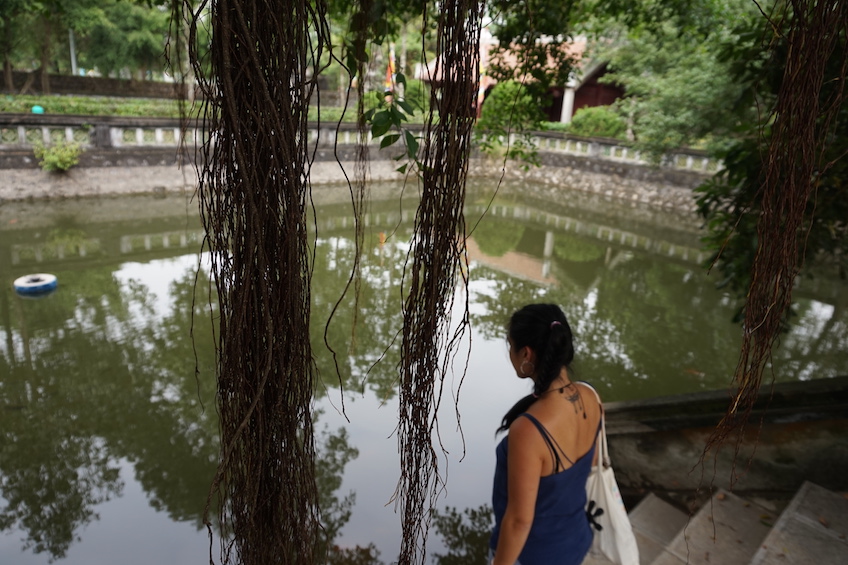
{"type": "Point", "coordinates": [526, 373]}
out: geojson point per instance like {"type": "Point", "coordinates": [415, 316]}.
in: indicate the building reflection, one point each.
{"type": "Point", "coordinates": [100, 374]}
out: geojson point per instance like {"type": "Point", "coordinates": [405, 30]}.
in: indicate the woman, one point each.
{"type": "Point", "coordinates": [539, 495]}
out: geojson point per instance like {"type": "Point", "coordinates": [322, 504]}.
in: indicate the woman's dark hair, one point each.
{"type": "Point", "coordinates": [544, 329]}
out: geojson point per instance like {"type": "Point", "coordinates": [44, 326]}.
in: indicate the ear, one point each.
{"type": "Point", "coordinates": [527, 354]}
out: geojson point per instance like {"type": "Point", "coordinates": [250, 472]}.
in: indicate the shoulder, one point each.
{"type": "Point", "coordinates": [524, 432]}
{"type": "Point", "coordinates": [592, 402]}
{"type": "Point", "coordinates": [525, 440]}
{"type": "Point", "coordinates": [522, 425]}
{"type": "Point", "coordinates": [593, 393]}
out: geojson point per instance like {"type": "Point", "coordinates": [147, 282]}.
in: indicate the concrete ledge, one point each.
{"type": "Point", "coordinates": [171, 170]}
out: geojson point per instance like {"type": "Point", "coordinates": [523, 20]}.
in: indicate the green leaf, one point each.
{"type": "Point", "coordinates": [380, 117]}
{"type": "Point", "coordinates": [402, 168]}
{"type": "Point", "coordinates": [389, 140]}
{"type": "Point", "coordinates": [380, 129]}
{"type": "Point", "coordinates": [397, 116]}
{"type": "Point", "coordinates": [411, 144]}
{"type": "Point", "coordinates": [406, 107]}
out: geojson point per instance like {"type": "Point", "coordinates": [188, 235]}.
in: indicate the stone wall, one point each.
{"type": "Point", "coordinates": [30, 83]}
{"type": "Point", "coordinates": [116, 171]}
{"type": "Point", "coordinates": [656, 187]}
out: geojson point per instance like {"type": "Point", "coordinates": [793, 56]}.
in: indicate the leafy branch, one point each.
{"type": "Point", "coordinates": [392, 114]}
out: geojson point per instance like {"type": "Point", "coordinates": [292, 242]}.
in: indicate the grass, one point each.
{"type": "Point", "coordinates": [91, 105]}
{"type": "Point", "coordinates": [131, 107]}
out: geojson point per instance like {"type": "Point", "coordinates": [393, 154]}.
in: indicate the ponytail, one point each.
{"type": "Point", "coordinates": [519, 408]}
{"type": "Point", "coordinates": [544, 329]}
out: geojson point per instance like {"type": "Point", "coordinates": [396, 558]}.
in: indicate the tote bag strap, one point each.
{"type": "Point", "coordinates": [603, 450]}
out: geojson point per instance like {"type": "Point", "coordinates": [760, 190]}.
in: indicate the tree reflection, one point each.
{"type": "Point", "coordinates": [52, 484]}
{"type": "Point", "coordinates": [466, 535]}
{"type": "Point", "coordinates": [354, 556]}
{"type": "Point", "coordinates": [361, 333]}
{"type": "Point", "coordinates": [644, 325]}
{"type": "Point", "coordinates": [100, 374]}
{"type": "Point", "coordinates": [56, 464]}
{"type": "Point", "coordinates": [108, 379]}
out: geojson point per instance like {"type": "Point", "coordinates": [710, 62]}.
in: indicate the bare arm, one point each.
{"type": "Point", "coordinates": [524, 468]}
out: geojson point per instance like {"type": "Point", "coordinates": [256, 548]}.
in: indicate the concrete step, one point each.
{"type": "Point", "coordinates": [727, 530]}
{"type": "Point", "coordinates": [596, 559]}
{"type": "Point", "coordinates": [655, 524]}
{"type": "Point", "coordinates": [812, 529]}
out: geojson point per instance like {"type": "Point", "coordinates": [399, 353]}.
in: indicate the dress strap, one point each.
{"type": "Point", "coordinates": [598, 397]}
{"type": "Point", "coordinates": [556, 450]}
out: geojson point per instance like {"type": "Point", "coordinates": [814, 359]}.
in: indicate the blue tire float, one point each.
{"type": "Point", "coordinates": [32, 285]}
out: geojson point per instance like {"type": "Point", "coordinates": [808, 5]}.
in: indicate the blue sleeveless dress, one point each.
{"type": "Point", "coordinates": [560, 534]}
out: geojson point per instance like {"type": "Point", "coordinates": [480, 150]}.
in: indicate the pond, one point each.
{"type": "Point", "coordinates": [109, 431]}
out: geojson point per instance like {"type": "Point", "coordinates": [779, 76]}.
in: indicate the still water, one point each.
{"type": "Point", "coordinates": [108, 430]}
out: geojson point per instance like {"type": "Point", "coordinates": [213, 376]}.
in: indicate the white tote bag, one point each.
{"type": "Point", "coordinates": [615, 537]}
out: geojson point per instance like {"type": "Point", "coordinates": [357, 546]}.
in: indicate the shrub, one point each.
{"type": "Point", "coordinates": [510, 110]}
{"type": "Point", "coordinates": [554, 126]}
{"type": "Point", "coordinates": [57, 157]}
{"type": "Point", "coordinates": [509, 107]}
{"type": "Point", "coordinates": [599, 121]}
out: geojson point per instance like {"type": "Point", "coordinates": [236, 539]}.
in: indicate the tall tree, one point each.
{"type": "Point", "coordinates": [782, 197]}
{"type": "Point", "coordinates": [429, 343]}
{"type": "Point", "coordinates": [128, 36]}
{"type": "Point", "coordinates": [264, 63]}
{"type": "Point", "coordinates": [53, 18]}
{"type": "Point", "coordinates": [10, 12]}
{"type": "Point", "coordinates": [677, 84]}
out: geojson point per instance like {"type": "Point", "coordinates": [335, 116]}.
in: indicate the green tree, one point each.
{"type": "Point", "coordinates": [533, 44]}
{"type": "Point", "coordinates": [111, 35]}
{"type": "Point", "coordinates": [128, 36]}
{"type": "Point", "coordinates": [677, 85]}
{"type": "Point", "coordinates": [730, 202]}
{"type": "Point", "coordinates": [10, 13]}
{"type": "Point", "coordinates": [508, 117]}
{"type": "Point", "coordinates": [51, 19]}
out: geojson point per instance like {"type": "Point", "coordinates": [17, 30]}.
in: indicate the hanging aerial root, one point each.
{"type": "Point", "coordinates": [802, 126]}
{"type": "Point", "coordinates": [430, 279]}
{"type": "Point", "coordinates": [253, 194]}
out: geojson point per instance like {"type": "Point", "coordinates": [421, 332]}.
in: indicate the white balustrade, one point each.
{"type": "Point", "coordinates": [170, 136]}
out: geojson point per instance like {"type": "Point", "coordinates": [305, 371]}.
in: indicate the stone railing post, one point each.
{"type": "Point", "coordinates": [102, 137]}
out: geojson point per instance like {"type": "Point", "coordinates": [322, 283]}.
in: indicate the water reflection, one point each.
{"type": "Point", "coordinates": [465, 535]}
{"type": "Point", "coordinates": [107, 385]}
{"type": "Point", "coordinates": [102, 375]}
{"type": "Point", "coordinates": [86, 390]}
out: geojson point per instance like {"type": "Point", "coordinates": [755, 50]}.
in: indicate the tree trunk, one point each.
{"type": "Point", "coordinates": [8, 80]}
{"type": "Point", "coordinates": [7, 47]}
{"type": "Point", "coordinates": [45, 57]}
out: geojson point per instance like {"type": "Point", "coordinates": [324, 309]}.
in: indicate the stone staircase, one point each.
{"type": "Point", "coordinates": [729, 530]}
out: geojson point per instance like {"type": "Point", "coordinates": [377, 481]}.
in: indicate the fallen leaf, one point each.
{"type": "Point", "coordinates": [721, 496]}
{"type": "Point", "coordinates": [823, 521]}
